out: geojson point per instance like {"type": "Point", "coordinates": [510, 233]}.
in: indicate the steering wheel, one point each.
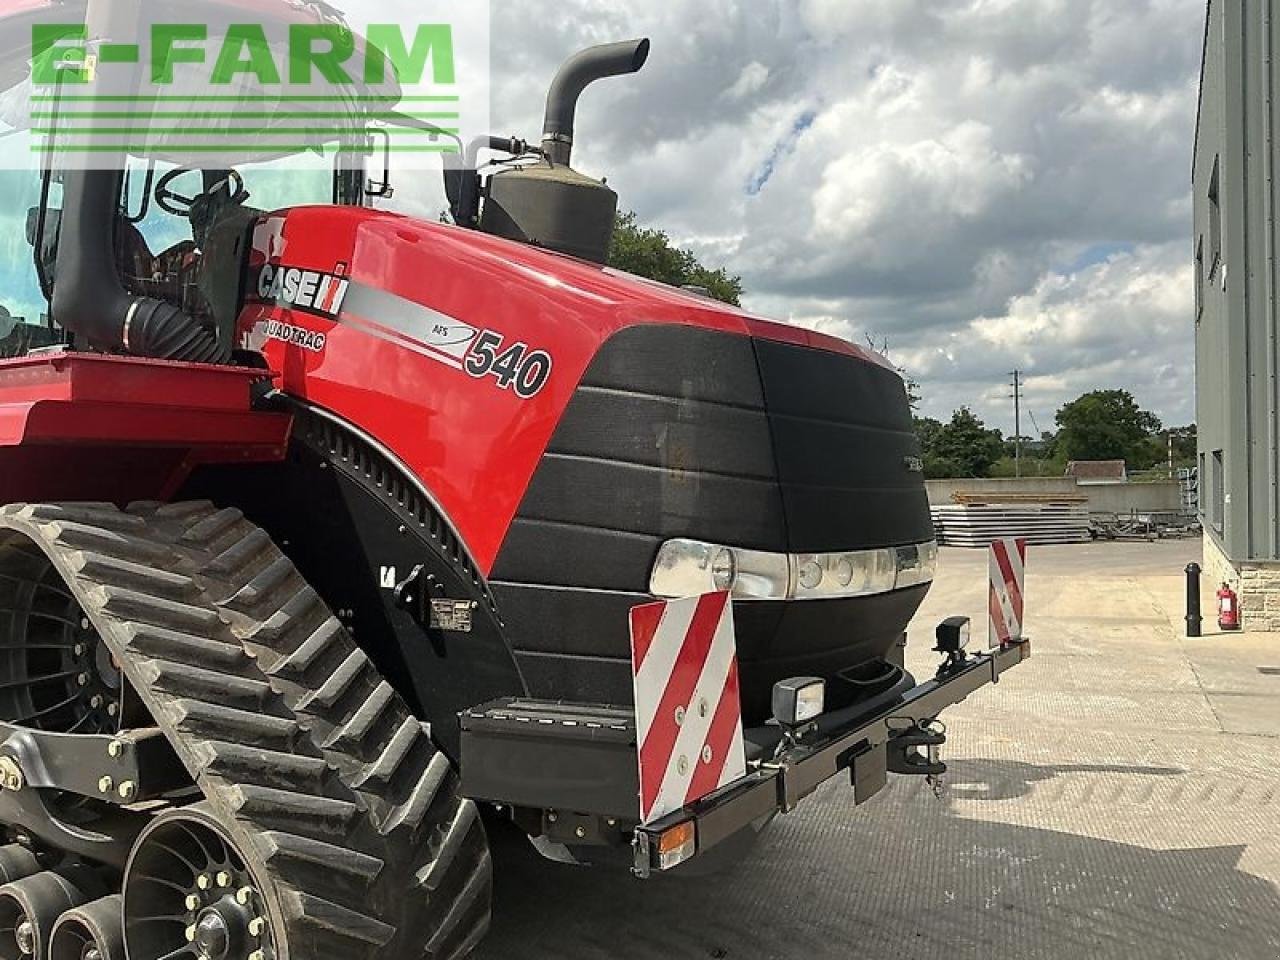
{"type": "Point", "coordinates": [180, 205]}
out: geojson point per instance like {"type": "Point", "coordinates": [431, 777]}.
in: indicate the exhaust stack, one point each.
{"type": "Point", "coordinates": [550, 204]}
{"type": "Point", "coordinates": [578, 73]}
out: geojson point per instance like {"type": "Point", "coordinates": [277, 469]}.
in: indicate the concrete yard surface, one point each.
{"type": "Point", "coordinates": [1118, 796]}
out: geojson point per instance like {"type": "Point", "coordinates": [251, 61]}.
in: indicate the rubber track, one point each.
{"type": "Point", "coordinates": [296, 741]}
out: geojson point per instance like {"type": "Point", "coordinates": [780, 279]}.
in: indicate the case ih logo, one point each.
{"type": "Point", "coordinates": [309, 290]}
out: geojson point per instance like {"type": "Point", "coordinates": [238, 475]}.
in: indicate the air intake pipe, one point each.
{"type": "Point", "coordinates": [578, 73]}
{"type": "Point", "coordinates": [89, 298]}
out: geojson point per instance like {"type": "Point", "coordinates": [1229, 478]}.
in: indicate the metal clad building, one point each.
{"type": "Point", "coordinates": [1236, 278]}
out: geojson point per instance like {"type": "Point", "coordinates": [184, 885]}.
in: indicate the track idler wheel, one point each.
{"type": "Point", "coordinates": [17, 863]}
{"type": "Point", "coordinates": [30, 908]}
{"type": "Point", "coordinates": [190, 892]}
{"type": "Point", "coordinates": [92, 932]}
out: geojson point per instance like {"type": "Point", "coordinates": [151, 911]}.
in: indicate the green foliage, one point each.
{"type": "Point", "coordinates": [1107, 425]}
{"type": "Point", "coordinates": [963, 448]}
{"type": "Point", "coordinates": [650, 253]}
{"type": "Point", "coordinates": [1032, 466]}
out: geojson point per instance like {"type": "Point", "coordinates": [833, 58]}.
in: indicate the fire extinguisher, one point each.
{"type": "Point", "coordinates": [1228, 608]}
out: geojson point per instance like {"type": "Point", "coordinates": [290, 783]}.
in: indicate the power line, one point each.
{"type": "Point", "coordinates": [1017, 422]}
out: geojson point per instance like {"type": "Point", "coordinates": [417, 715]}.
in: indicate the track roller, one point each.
{"type": "Point", "coordinates": [29, 908]}
{"type": "Point", "coordinates": [91, 932]}
{"type": "Point", "coordinates": [187, 888]}
{"type": "Point", "coordinates": [17, 863]}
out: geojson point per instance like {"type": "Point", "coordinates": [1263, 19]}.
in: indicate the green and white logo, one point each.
{"type": "Point", "coordinates": [229, 83]}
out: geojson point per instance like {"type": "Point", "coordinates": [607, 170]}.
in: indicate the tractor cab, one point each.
{"type": "Point", "coordinates": [170, 222]}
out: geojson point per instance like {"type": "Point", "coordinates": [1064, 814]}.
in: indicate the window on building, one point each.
{"type": "Point", "coordinates": [1202, 478]}
{"type": "Point", "coordinates": [1200, 280]}
{"type": "Point", "coordinates": [1218, 493]}
{"type": "Point", "coordinates": [1215, 221]}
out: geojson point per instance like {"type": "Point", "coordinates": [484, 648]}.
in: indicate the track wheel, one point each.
{"type": "Point", "coordinates": [17, 863]}
{"type": "Point", "coordinates": [189, 892]}
{"type": "Point", "coordinates": [30, 908]}
{"type": "Point", "coordinates": [91, 932]}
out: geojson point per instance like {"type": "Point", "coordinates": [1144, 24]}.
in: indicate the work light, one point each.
{"type": "Point", "coordinates": [798, 700]}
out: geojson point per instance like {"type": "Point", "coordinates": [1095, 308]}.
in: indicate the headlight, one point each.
{"type": "Point", "coordinates": [916, 564]}
{"type": "Point", "coordinates": [689, 568]}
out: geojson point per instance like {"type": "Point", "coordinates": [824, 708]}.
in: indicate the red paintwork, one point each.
{"type": "Point", "coordinates": [90, 427]}
{"type": "Point", "coordinates": [474, 445]}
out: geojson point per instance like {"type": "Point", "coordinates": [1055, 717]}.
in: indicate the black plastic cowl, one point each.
{"type": "Point", "coordinates": [89, 298]}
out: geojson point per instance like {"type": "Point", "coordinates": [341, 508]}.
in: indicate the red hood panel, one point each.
{"type": "Point", "coordinates": [456, 350]}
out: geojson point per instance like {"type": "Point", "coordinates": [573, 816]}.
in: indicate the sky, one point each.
{"type": "Point", "coordinates": [982, 185]}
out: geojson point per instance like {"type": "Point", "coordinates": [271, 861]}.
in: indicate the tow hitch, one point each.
{"type": "Point", "coordinates": [916, 752]}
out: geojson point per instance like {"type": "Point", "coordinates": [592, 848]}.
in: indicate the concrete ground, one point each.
{"type": "Point", "coordinates": [1115, 797]}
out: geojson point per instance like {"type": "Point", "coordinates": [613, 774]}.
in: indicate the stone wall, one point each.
{"type": "Point", "coordinates": [1118, 498]}
{"type": "Point", "coordinates": [1257, 583]}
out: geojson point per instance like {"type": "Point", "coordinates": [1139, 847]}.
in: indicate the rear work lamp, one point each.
{"type": "Point", "coordinates": [799, 700]}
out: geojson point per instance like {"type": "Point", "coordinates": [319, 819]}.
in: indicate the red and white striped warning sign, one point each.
{"type": "Point", "coordinates": [688, 710]}
{"type": "Point", "coordinates": [1008, 568]}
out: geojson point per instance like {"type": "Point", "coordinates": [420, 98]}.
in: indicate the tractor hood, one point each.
{"type": "Point", "coordinates": [414, 329]}
{"type": "Point", "coordinates": [569, 420]}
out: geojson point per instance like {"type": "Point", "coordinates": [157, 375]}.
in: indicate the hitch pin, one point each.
{"type": "Point", "coordinates": [935, 780]}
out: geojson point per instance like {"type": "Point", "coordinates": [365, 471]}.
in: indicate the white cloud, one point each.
{"type": "Point", "coordinates": [751, 81]}
{"type": "Point", "coordinates": [935, 172]}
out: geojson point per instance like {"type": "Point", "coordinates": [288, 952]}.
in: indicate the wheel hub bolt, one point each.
{"type": "Point", "coordinates": [92, 954]}
{"type": "Point", "coordinates": [128, 789]}
{"type": "Point", "coordinates": [106, 784]}
{"type": "Point", "coordinates": [83, 680]}
{"type": "Point", "coordinates": [96, 702]}
{"type": "Point", "coordinates": [244, 896]}
{"type": "Point", "coordinates": [193, 902]}
{"type": "Point", "coordinates": [26, 937]}
{"type": "Point", "coordinates": [257, 927]}
{"type": "Point", "coordinates": [224, 879]}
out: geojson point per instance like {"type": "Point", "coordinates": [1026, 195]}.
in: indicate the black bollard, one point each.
{"type": "Point", "coordinates": [1194, 620]}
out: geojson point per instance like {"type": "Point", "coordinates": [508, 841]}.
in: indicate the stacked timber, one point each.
{"type": "Point", "coordinates": [975, 520]}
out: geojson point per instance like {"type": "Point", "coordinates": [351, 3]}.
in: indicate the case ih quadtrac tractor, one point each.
{"type": "Point", "coordinates": [332, 540]}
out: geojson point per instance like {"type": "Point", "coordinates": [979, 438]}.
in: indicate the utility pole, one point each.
{"type": "Point", "coordinates": [1017, 421]}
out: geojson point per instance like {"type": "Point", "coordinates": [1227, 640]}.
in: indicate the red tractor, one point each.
{"type": "Point", "coordinates": [325, 528]}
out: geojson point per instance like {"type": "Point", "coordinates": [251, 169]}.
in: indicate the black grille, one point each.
{"type": "Point", "coordinates": [684, 432]}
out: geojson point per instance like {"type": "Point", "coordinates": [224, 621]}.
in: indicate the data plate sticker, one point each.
{"type": "Point", "coordinates": [451, 615]}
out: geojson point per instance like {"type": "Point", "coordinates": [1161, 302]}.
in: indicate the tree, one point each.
{"type": "Point", "coordinates": [650, 253]}
{"type": "Point", "coordinates": [1107, 425]}
{"type": "Point", "coordinates": [963, 448]}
